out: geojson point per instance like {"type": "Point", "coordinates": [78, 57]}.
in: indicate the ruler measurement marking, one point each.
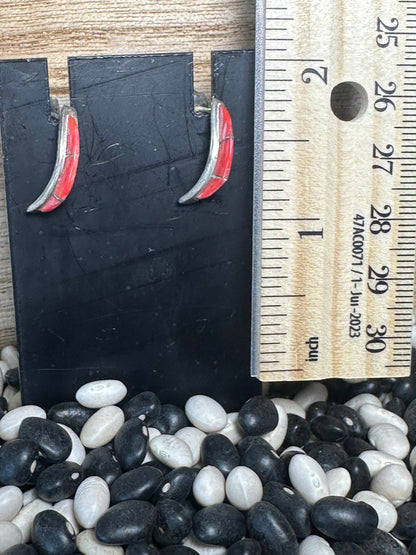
{"type": "Point", "coordinates": [282, 204]}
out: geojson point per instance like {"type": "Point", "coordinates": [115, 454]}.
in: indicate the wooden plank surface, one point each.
{"type": "Point", "coordinates": [56, 29]}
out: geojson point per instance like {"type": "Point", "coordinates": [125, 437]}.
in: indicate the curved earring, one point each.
{"type": "Point", "coordinates": [64, 172]}
{"type": "Point", "coordinates": [220, 155]}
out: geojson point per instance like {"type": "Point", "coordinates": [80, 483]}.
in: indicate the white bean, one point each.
{"type": "Point", "coordinates": [15, 401]}
{"type": "Point", "coordinates": [24, 519]}
{"type": "Point", "coordinates": [91, 501]}
{"type": "Point", "coordinates": [243, 488]}
{"type": "Point", "coordinates": [394, 482]}
{"type": "Point", "coordinates": [10, 535]}
{"type": "Point", "coordinates": [205, 413]}
{"type": "Point", "coordinates": [101, 393]}
{"type": "Point", "coordinates": [10, 423]}
{"type": "Point", "coordinates": [339, 481]}
{"type": "Point", "coordinates": [308, 478]}
{"type": "Point", "coordinates": [363, 399]}
{"type": "Point", "coordinates": [78, 453]}
{"type": "Point", "coordinates": [101, 427]}
{"type": "Point", "coordinates": [290, 406]}
{"type": "Point", "coordinates": [4, 367]}
{"type": "Point", "coordinates": [11, 501]}
{"type": "Point", "coordinates": [88, 544]}
{"type": "Point", "coordinates": [203, 548]}
{"type": "Point", "coordinates": [209, 486]}
{"type": "Point", "coordinates": [10, 355]}
{"type": "Point", "coordinates": [153, 432]}
{"type": "Point", "coordinates": [9, 392]}
{"type": "Point", "coordinates": [412, 458]}
{"type": "Point", "coordinates": [376, 460]}
{"type": "Point", "coordinates": [171, 450]}
{"type": "Point", "coordinates": [315, 545]}
{"type": "Point", "coordinates": [387, 514]}
{"type": "Point", "coordinates": [389, 439]}
{"type": "Point", "coordinates": [66, 509]}
{"type": "Point", "coordinates": [277, 436]}
{"type": "Point", "coordinates": [377, 415]}
{"type": "Point", "coordinates": [232, 429]}
{"type": "Point", "coordinates": [310, 394]}
{"type": "Point", "coordinates": [193, 439]}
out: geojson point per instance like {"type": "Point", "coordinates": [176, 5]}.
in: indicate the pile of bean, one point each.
{"type": "Point", "coordinates": [327, 468]}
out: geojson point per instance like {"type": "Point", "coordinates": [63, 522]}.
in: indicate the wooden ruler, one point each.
{"type": "Point", "coordinates": [335, 188]}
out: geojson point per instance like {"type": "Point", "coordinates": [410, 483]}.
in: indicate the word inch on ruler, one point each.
{"type": "Point", "coordinates": [335, 195]}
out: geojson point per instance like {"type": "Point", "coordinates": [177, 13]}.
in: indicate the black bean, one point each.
{"type": "Point", "coordinates": [318, 408]}
{"type": "Point", "coordinates": [313, 444]}
{"type": "Point", "coordinates": [178, 550]}
{"type": "Point", "coordinates": [139, 483]}
{"type": "Point", "coordinates": [386, 384]}
{"type": "Point", "coordinates": [176, 484]}
{"type": "Point", "coordinates": [298, 431]}
{"type": "Point", "coordinates": [59, 481]}
{"type": "Point", "coordinates": [266, 524]}
{"type": "Point", "coordinates": [336, 390]}
{"type": "Point", "coordinates": [347, 548]}
{"type": "Point", "coordinates": [70, 413]}
{"type": "Point", "coordinates": [52, 534]}
{"type": "Point", "coordinates": [159, 465]}
{"type": "Point", "coordinates": [141, 548]}
{"type": "Point", "coordinates": [247, 546]}
{"type": "Point", "coordinates": [102, 462]}
{"type": "Point", "coordinates": [173, 523]}
{"type": "Point", "coordinates": [382, 543]}
{"type": "Point", "coordinates": [258, 415]}
{"type": "Point", "coordinates": [286, 458]}
{"type": "Point", "coordinates": [18, 461]}
{"type": "Point", "coordinates": [341, 519]}
{"type": "Point", "coordinates": [329, 455]}
{"type": "Point", "coordinates": [266, 463]}
{"type": "Point", "coordinates": [405, 528]}
{"type": "Point", "coordinates": [329, 428]}
{"type": "Point", "coordinates": [412, 547]}
{"type": "Point", "coordinates": [396, 405]}
{"type": "Point", "coordinates": [130, 444]}
{"type": "Point", "coordinates": [355, 445]}
{"type": "Point", "coordinates": [219, 524]}
{"type": "Point", "coordinates": [54, 442]}
{"type": "Point", "coordinates": [247, 441]}
{"type": "Point", "coordinates": [145, 406]}
{"type": "Point", "coordinates": [3, 404]}
{"type": "Point", "coordinates": [170, 420]}
{"type": "Point", "coordinates": [21, 549]}
{"type": "Point", "coordinates": [366, 386]}
{"type": "Point", "coordinates": [217, 450]}
{"type": "Point", "coordinates": [353, 421]}
{"type": "Point", "coordinates": [360, 475]}
{"type": "Point", "coordinates": [292, 505]}
{"type": "Point", "coordinates": [405, 388]}
{"type": "Point", "coordinates": [12, 377]}
{"type": "Point", "coordinates": [126, 522]}
{"type": "Point", "coordinates": [409, 417]}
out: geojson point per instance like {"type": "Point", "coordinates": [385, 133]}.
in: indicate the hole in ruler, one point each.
{"type": "Point", "coordinates": [348, 100]}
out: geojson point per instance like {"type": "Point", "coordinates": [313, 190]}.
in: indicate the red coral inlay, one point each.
{"type": "Point", "coordinates": [66, 180]}
{"type": "Point", "coordinates": [225, 155]}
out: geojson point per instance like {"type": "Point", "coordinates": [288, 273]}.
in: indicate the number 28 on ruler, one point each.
{"type": "Point", "coordinates": [335, 189]}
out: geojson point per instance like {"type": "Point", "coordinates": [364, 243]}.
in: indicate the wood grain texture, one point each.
{"type": "Point", "coordinates": [60, 28]}
{"type": "Point", "coordinates": [56, 29]}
